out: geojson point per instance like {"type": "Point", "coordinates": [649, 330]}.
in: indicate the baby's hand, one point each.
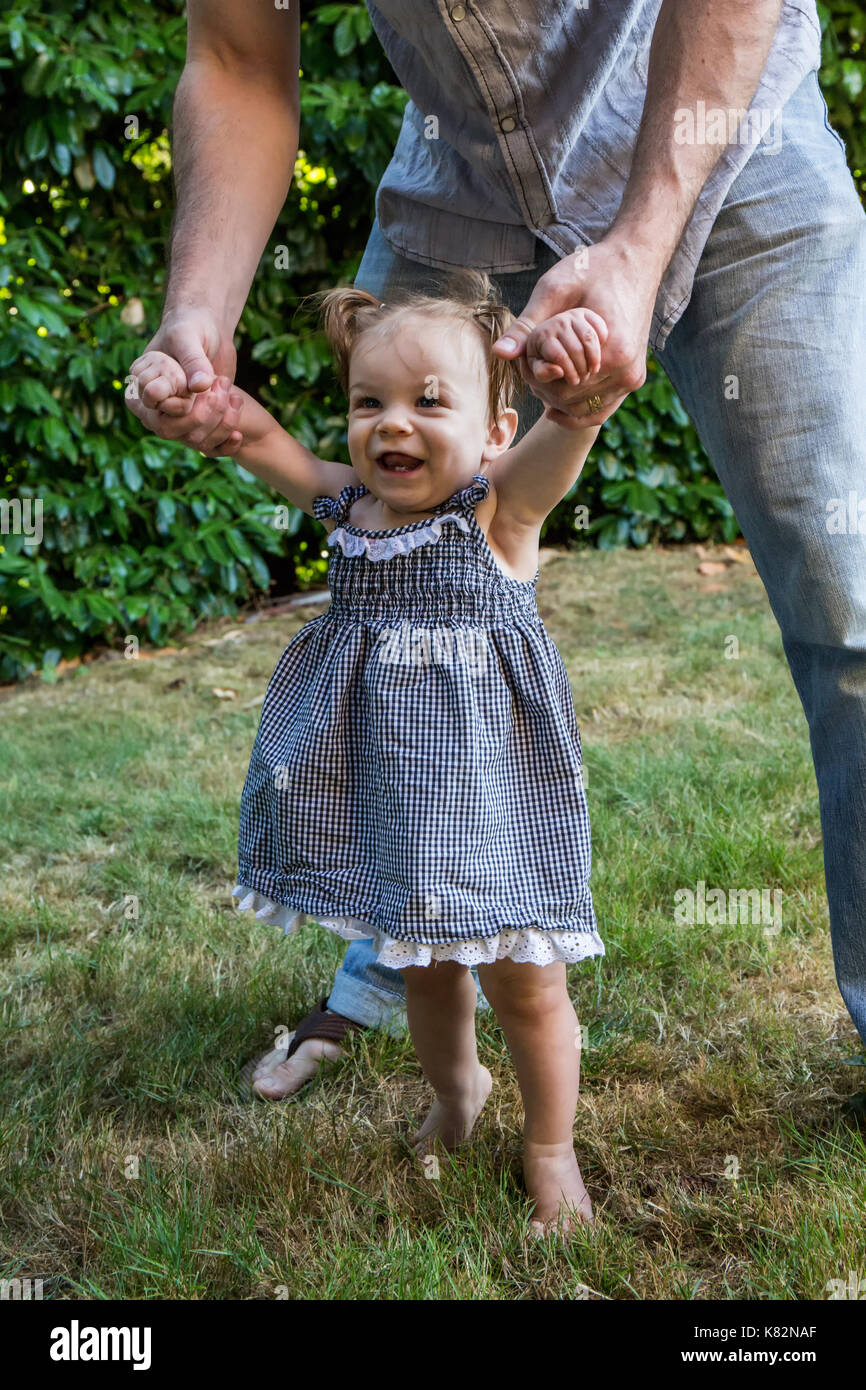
{"type": "Point", "coordinates": [155, 377]}
{"type": "Point", "coordinates": [243, 423]}
{"type": "Point", "coordinates": [567, 345]}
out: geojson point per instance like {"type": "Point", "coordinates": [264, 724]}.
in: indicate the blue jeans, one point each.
{"type": "Point", "coordinates": [769, 360]}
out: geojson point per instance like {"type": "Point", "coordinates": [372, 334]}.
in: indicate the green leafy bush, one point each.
{"type": "Point", "coordinates": [143, 537]}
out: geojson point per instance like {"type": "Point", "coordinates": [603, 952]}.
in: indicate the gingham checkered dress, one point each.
{"type": "Point", "coordinates": [415, 778]}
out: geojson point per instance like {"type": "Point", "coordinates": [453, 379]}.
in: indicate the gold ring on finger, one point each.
{"type": "Point", "coordinates": [595, 404]}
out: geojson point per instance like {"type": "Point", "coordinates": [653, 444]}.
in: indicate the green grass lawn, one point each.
{"type": "Point", "coordinates": [710, 1129]}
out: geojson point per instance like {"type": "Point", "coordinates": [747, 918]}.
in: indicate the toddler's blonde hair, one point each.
{"type": "Point", "coordinates": [469, 296]}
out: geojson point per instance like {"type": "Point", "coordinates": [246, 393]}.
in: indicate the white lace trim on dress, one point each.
{"type": "Point", "coordinates": [385, 547]}
{"type": "Point", "coordinates": [535, 945]}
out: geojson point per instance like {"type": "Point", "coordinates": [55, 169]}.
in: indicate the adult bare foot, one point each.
{"type": "Point", "coordinates": [452, 1118]}
{"type": "Point", "coordinates": [553, 1179]}
{"type": "Point", "coordinates": [274, 1079]}
{"type": "Point", "coordinates": [297, 1058]}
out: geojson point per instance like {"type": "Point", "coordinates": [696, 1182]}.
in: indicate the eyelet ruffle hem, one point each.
{"type": "Point", "coordinates": [533, 945]}
{"type": "Point", "coordinates": [386, 547]}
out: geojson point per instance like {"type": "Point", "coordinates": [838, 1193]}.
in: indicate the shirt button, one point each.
{"type": "Point", "coordinates": [459, 12]}
{"type": "Point", "coordinates": [508, 124]}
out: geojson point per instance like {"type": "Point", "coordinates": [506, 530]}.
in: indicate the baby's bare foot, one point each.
{"type": "Point", "coordinates": [453, 1117]}
{"type": "Point", "coordinates": [553, 1178]}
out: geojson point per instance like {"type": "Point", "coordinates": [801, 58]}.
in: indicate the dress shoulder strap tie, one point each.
{"type": "Point", "coordinates": [338, 507]}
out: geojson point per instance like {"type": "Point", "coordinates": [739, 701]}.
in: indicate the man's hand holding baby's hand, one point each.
{"type": "Point", "coordinates": [169, 383]}
{"type": "Point", "coordinates": [567, 345]}
{"type": "Point", "coordinates": [155, 377]}
{"type": "Point", "coordinates": [619, 281]}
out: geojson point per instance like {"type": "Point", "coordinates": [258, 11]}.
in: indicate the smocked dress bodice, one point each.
{"type": "Point", "coordinates": [437, 584]}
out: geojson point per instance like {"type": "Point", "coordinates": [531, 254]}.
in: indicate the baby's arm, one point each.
{"type": "Point", "coordinates": [533, 476]}
{"type": "Point", "coordinates": [260, 444]}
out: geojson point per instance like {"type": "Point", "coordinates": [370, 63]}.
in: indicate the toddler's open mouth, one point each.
{"type": "Point", "coordinates": [399, 463]}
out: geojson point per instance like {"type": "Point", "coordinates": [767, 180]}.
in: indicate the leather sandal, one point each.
{"type": "Point", "coordinates": [317, 1024]}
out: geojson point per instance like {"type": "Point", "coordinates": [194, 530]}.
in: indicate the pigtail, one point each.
{"type": "Point", "coordinates": [344, 312]}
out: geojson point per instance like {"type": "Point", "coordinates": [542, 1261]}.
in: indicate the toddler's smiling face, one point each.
{"type": "Point", "coordinates": [417, 419]}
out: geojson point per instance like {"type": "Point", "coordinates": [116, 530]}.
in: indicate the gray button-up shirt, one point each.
{"type": "Point", "coordinates": [522, 122]}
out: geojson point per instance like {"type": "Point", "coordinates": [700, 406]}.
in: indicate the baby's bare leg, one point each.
{"type": "Point", "coordinates": [440, 1007]}
{"type": "Point", "coordinates": [531, 1003]}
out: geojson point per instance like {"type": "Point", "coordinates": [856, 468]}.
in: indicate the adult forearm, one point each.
{"type": "Point", "coordinates": [712, 51]}
{"type": "Point", "coordinates": [234, 146]}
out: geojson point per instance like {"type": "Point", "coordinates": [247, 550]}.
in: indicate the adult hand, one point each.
{"type": "Point", "coordinates": [616, 282]}
{"type": "Point", "coordinates": [169, 383]}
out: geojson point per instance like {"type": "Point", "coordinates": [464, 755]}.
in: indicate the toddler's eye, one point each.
{"type": "Point", "coordinates": [365, 402]}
